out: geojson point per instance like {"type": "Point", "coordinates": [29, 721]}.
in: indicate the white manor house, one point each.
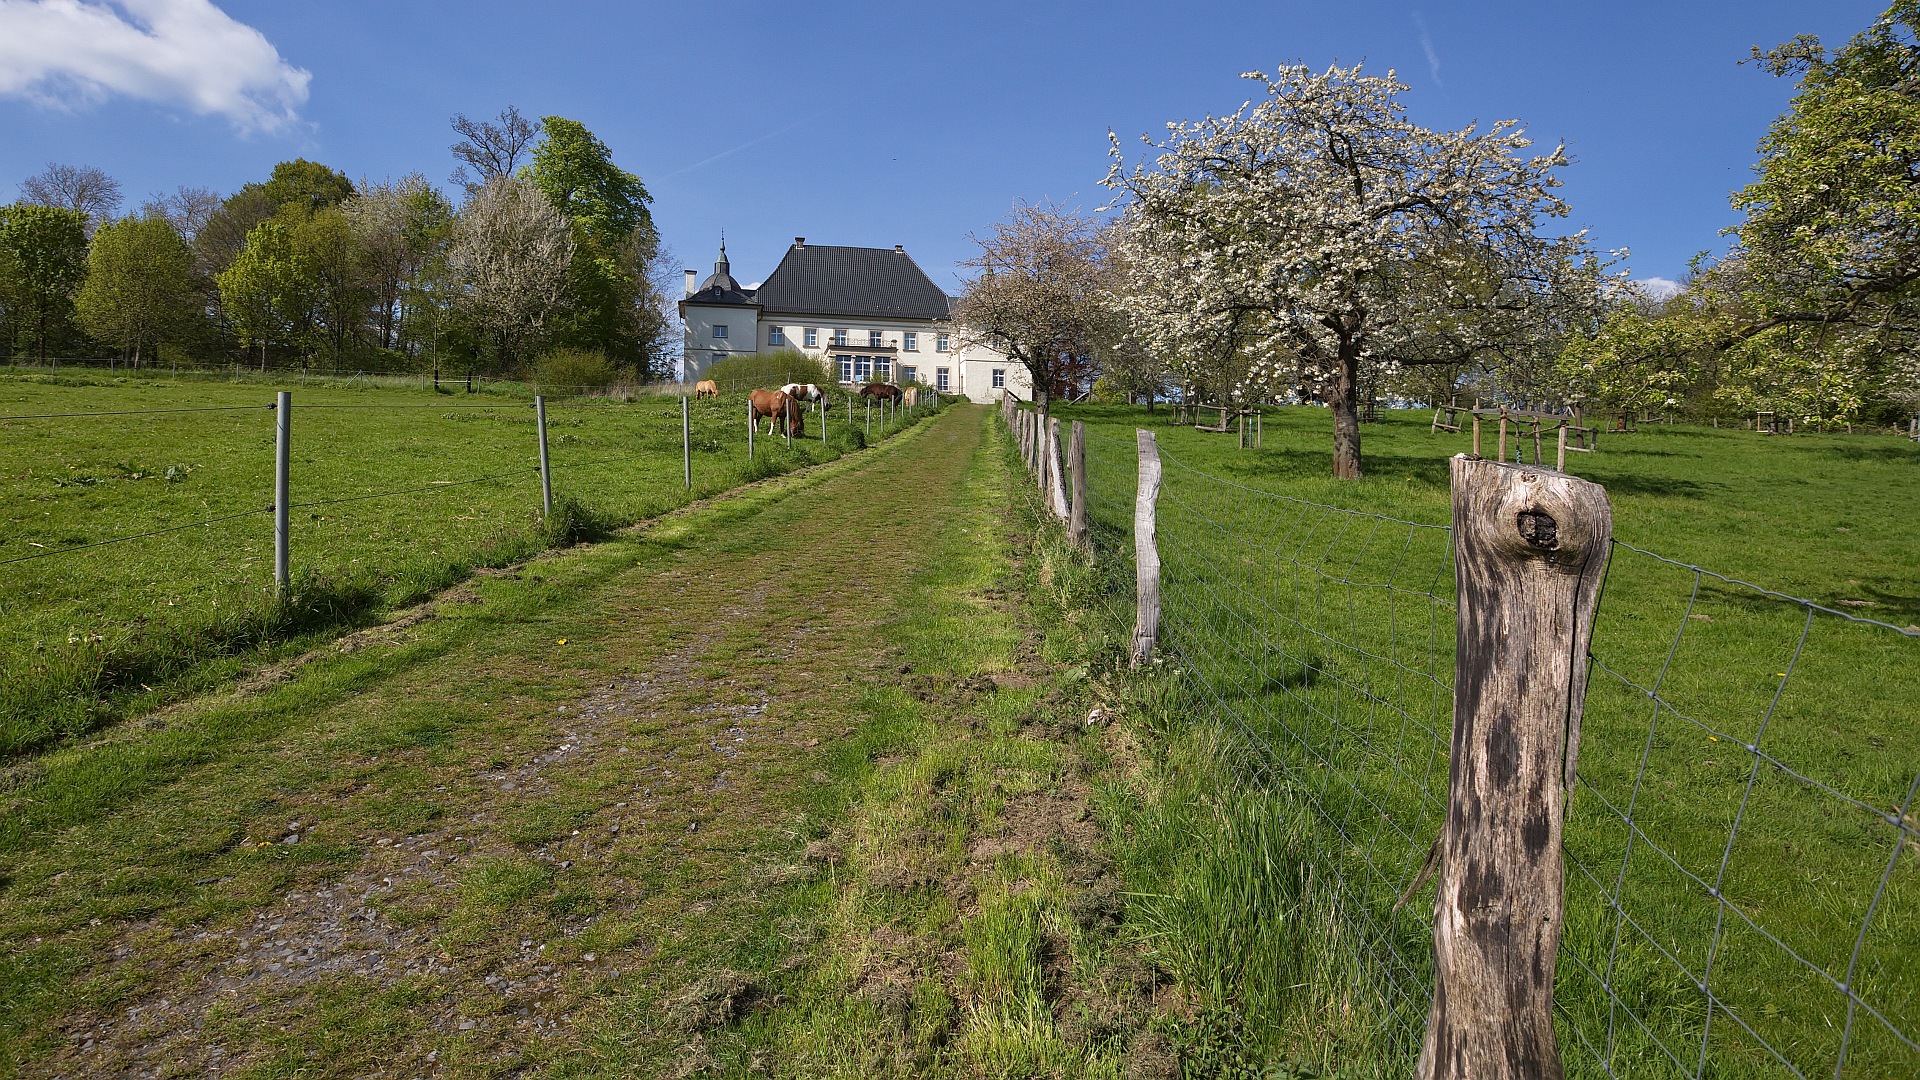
{"type": "Point", "coordinates": [871, 311]}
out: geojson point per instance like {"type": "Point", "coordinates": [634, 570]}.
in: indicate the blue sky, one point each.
{"type": "Point", "coordinates": [877, 124]}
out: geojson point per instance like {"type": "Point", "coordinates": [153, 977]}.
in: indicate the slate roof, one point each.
{"type": "Point", "coordinates": [821, 279]}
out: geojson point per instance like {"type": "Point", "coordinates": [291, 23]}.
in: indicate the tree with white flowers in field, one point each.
{"type": "Point", "coordinates": [1039, 295]}
{"type": "Point", "coordinates": [510, 253]}
{"type": "Point", "coordinates": [1320, 230]}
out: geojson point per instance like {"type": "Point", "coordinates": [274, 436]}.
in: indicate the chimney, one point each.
{"type": "Point", "coordinates": [899, 249]}
{"type": "Point", "coordinates": [693, 282]}
{"type": "Point", "coordinates": [799, 241]}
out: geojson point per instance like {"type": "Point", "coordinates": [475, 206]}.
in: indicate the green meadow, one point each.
{"type": "Point", "coordinates": [1309, 624]}
{"type": "Point", "coordinates": [397, 491]}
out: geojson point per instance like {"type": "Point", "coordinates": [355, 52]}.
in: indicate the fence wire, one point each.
{"type": "Point", "coordinates": [1743, 859]}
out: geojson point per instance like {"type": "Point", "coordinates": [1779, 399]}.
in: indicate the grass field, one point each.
{"type": "Point", "coordinates": [1316, 643]}
{"type": "Point", "coordinates": [397, 491]}
{"type": "Point", "coordinates": [707, 798]}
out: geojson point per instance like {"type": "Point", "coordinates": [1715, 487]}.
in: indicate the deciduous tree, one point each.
{"type": "Point", "coordinates": [83, 189]}
{"type": "Point", "coordinates": [492, 150]}
{"type": "Point", "coordinates": [510, 254]}
{"type": "Point", "coordinates": [1313, 225]}
{"type": "Point", "coordinates": [139, 289]}
{"type": "Point", "coordinates": [43, 258]}
{"type": "Point", "coordinates": [1039, 293]}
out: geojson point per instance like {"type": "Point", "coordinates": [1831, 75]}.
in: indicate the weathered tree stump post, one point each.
{"type": "Point", "coordinates": [1530, 549]}
{"type": "Point", "coordinates": [1077, 468]}
{"type": "Point", "coordinates": [1056, 473]}
{"type": "Point", "coordinates": [1146, 551]}
{"type": "Point", "coordinates": [1040, 454]}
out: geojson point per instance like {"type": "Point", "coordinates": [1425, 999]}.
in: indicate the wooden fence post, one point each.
{"type": "Point", "coordinates": [1530, 550]}
{"type": "Point", "coordinates": [1056, 474]}
{"type": "Point", "coordinates": [1077, 469]}
{"type": "Point", "coordinates": [1146, 551]}
{"type": "Point", "coordinates": [1040, 453]}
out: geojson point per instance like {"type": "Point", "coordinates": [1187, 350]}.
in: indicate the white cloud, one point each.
{"type": "Point", "coordinates": [1658, 288]}
{"type": "Point", "coordinates": [174, 52]}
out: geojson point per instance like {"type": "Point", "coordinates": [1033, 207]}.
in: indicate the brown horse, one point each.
{"type": "Point", "coordinates": [773, 404]}
{"type": "Point", "coordinates": [880, 391]}
{"type": "Point", "coordinates": [706, 388]}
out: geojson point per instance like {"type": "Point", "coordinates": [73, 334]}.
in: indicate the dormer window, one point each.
{"type": "Point", "coordinates": [719, 331]}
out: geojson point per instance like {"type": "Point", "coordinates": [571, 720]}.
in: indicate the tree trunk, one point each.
{"type": "Point", "coordinates": [1346, 414]}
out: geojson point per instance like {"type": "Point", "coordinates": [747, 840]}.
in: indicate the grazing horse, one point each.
{"type": "Point", "coordinates": [909, 396]}
{"type": "Point", "coordinates": [774, 404]}
{"type": "Point", "coordinates": [803, 392]}
{"type": "Point", "coordinates": [880, 391]}
{"type": "Point", "coordinates": [706, 388]}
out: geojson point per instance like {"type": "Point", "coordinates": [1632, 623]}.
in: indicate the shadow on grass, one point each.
{"type": "Point", "coordinates": [1902, 453]}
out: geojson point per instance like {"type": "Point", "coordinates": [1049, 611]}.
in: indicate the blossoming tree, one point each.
{"type": "Point", "coordinates": [1319, 230]}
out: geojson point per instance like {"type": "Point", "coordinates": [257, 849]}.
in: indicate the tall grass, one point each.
{"type": "Point", "coordinates": [1311, 648]}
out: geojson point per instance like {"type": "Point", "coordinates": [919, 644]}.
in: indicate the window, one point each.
{"type": "Point", "coordinates": [839, 337]}
{"type": "Point", "coordinates": [999, 377]}
{"type": "Point", "coordinates": [776, 336]}
{"type": "Point", "coordinates": [910, 341]}
{"type": "Point", "coordinates": [812, 338]}
{"type": "Point", "coordinates": [940, 343]}
{"type": "Point", "coordinates": [863, 369]}
{"type": "Point", "coordinates": [883, 368]}
{"type": "Point", "coordinates": [909, 374]}
{"type": "Point", "coordinates": [719, 331]}
{"type": "Point", "coordinates": [846, 368]}
{"type": "Point", "coordinates": [940, 380]}
{"type": "Point", "coordinates": [873, 339]}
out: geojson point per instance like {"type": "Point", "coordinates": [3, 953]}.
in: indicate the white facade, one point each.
{"type": "Point", "coordinates": [702, 346]}
{"type": "Point", "coordinates": [860, 348]}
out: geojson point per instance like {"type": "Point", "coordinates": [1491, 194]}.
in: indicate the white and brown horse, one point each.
{"type": "Point", "coordinates": [804, 392]}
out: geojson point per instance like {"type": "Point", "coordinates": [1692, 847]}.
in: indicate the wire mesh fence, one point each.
{"type": "Point", "coordinates": [1742, 857]}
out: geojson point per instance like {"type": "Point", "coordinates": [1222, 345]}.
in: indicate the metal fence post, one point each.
{"type": "Point", "coordinates": [823, 418]}
{"type": "Point", "coordinates": [869, 403]}
{"type": "Point", "coordinates": [546, 473]}
{"type": "Point", "coordinates": [1146, 551]}
{"type": "Point", "coordinates": [750, 426]}
{"type": "Point", "coordinates": [1530, 550]}
{"type": "Point", "coordinates": [282, 455]}
{"type": "Point", "coordinates": [686, 442]}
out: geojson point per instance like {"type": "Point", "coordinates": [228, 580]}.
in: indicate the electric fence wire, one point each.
{"type": "Point", "coordinates": [71, 549]}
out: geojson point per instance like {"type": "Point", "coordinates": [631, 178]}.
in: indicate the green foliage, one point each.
{"type": "Point", "coordinates": [1811, 314]}
{"type": "Point", "coordinates": [768, 370]}
{"type": "Point", "coordinates": [571, 371]}
{"type": "Point", "coordinates": [610, 303]}
{"type": "Point", "coordinates": [266, 291]}
{"type": "Point", "coordinates": [307, 185]}
{"type": "Point", "coordinates": [575, 171]}
{"type": "Point", "coordinates": [43, 259]}
{"type": "Point", "coordinates": [139, 285]}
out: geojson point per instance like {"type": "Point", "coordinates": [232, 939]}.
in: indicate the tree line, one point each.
{"type": "Point", "coordinates": [1318, 245]}
{"type": "Point", "coordinates": [551, 246]}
